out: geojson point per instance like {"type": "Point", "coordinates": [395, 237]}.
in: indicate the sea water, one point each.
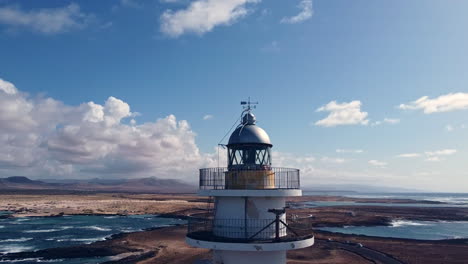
{"type": "Point", "coordinates": [426, 230]}
{"type": "Point", "coordinates": [445, 199]}
{"type": "Point", "coordinates": [35, 233]}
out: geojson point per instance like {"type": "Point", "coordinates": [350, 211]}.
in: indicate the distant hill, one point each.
{"type": "Point", "coordinates": [139, 185]}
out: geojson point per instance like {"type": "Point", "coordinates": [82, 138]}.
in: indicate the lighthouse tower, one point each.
{"type": "Point", "coordinates": [249, 222]}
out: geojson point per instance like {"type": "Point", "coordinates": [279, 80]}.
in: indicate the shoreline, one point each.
{"type": "Point", "coordinates": [167, 244]}
{"type": "Point", "coordinates": [167, 241]}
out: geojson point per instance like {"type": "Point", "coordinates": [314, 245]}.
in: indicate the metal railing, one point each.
{"type": "Point", "coordinates": [249, 230]}
{"type": "Point", "coordinates": [250, 179]}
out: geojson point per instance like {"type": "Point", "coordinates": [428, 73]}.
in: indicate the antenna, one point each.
{"type": "Point", "coordinates": [247, 105]}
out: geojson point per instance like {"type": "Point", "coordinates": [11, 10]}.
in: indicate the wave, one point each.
{"type": "Point", "coordinates": [22, 219]}
{"type": "Point", "coordinates": [32, 260]}
{"type": "Point", "coordinates": [400, 223]}
{"type": "Point", "coordinates": [2, 226]}
{"type": "Point", "coordinates": [97, 228]}
{"type": "Point", "coordinates": [14, 249]}
{"type": "Point", "coordinates": [23, 239]}
{"type": "Point", "coordinates": [89, 240]}
{"type": "Point", "coordinates": [43, 230]}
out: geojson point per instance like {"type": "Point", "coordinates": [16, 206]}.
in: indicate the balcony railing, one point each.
{"type": "Point", "coordinates": [249, 179]}
{"type": "Point", "coordinates": [249, 230]}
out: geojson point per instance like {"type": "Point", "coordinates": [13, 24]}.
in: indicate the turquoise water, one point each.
{"type": "Point", "coordinates": [34, 233]}
{"type": "Point", "coordinates": [426, 230]}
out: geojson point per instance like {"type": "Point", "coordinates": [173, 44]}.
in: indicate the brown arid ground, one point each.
{"type": "Point", "coordinates": [166, 245]}
{"type": "Point", "coordinates": [72, 204]}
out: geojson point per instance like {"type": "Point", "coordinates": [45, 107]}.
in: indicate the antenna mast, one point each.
{"type": "Point", "coordinates": [247, 105]}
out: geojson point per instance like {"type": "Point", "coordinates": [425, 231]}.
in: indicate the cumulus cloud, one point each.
{"type": "Point", "coordinates": [305, 14]}
{"type": "Point", "coordinates": [44, 137]}
{"type": "Point", "coordinates": [343, 114]}
{"type": "Point", "coordinates": [377, 163]}
{"type": "Point", "coordinates": [45, 20]}
{"type": "Point", "coordinates": [443, 103]}
{"type": "Point", "coordinates": [202, 16]}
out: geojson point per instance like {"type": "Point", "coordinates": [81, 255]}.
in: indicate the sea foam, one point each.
{"type": "Point", "coordinates": [400, 223]}
{"type": "Point", "coordinates": [22, 239]}
{"type": "Point", "coordinates": [97, 228]}
{"type": "Point", "coordinates": [43, 230]}
{"type": "Point", "coordinates": [12, 248]}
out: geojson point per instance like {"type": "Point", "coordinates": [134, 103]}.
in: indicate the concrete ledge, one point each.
{"type": "Point", "coordinates": [252, 193]}
{"type": "Point", "coordinates": [251, 246]}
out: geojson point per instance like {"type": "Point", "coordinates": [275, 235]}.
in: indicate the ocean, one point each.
{"type": "Point", "coordinates": [34, 233]}
{"type": "Point", "coordinates": [427, 230]}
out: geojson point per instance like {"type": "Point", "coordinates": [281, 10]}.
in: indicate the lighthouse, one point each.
{"type": "Point", "coordinates": [248, 222]}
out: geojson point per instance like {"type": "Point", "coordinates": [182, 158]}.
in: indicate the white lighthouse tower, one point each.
{"type": "Point", "coordinates": [248, 223]}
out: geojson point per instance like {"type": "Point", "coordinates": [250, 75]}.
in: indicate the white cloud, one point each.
{"type": "Point", "coordinates": [436, 155]}
{"type": "Point", "coordinates": [443, 103]}
{"type": "Point", "coordinates": [391, 121]}
{"type": "Point", "coordinates": [45, 20]}
{"type": "Point", "coordinates": [202, 16]}
{"type": "Point", "coordinates": [43, 136]}
{"type": "Point", "coordinates": [305, 14]}
{"type": "Point", "coordinates": [377, 163]}
{"type": "Point", "coordinates": [333, 160]}
{"type": "Point", "coordinates": [449, 128]}
{"type": "Point", "coordinates": [7, 87]}
{"type": "Point", "coordinates": [409, 155]}
{"type": "Point", "coordinates": [342, 114]}
{"type": "Point", "coordinates": [443, 152]}
{"type": "Point", "coordinates": [357, 151]}
{"type": "Point", "coordinates": [208, 117]}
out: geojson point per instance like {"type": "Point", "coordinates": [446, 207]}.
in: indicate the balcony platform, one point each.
{"type": "Point", "coordinates": [250, 193]}
{"type": "Point", "coordinates": [270, 245]}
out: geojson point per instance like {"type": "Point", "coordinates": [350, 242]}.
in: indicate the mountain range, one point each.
{"type": "Point", "coordinates": [139, 185]}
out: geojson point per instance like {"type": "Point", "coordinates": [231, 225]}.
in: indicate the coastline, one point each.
{"type": "Point", "coordinates": [167, 244]}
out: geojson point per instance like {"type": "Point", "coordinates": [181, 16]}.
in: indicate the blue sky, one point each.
{"type": "Point", "coordinates": [182, 60]}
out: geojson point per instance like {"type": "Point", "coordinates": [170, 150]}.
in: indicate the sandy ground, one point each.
{"type": "Point", "coordinates": [45, 205]}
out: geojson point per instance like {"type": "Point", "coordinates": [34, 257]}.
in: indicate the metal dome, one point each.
{"type": "Point", "coordinates": [249, 133]}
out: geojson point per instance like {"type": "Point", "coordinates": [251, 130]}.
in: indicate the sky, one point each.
{"type": "Point", "coordinates": [350, 92]}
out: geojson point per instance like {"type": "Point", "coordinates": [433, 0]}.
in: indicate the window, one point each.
{"type": "Point", "coordinates": [254, 155]}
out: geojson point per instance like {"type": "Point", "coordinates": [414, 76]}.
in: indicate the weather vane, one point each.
{"type": "Point", "coordinates": [247, 105]}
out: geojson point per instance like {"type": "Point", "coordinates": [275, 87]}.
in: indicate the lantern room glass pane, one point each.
{"type": "Point", "coordinates": [257, 156]}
